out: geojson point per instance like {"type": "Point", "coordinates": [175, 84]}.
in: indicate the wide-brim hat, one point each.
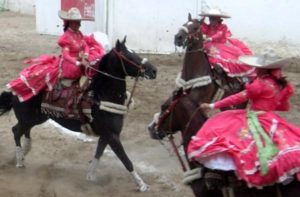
{"type": "Point", "coordinates": [265, 61]}
{"type": "Point", "coordinates": [73, 14]}
{"type": "Point", "coordinates": [214, 12]}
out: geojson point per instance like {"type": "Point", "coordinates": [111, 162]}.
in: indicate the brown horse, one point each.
{"type": "Point", "coordinates": [198, 83]}
{"type": "Point", "coordinates": [181, 113]}
{"type": "Point", "coordinates": [207, 83]}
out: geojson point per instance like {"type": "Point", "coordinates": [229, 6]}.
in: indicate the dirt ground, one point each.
{"type": "Point", "coordinates": [58, 162]}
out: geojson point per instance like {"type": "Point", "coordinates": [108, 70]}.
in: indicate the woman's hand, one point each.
{"type": "Point", "coordinates": [85, 62]}
{"type": "Point", "coordinates": [206, 106]}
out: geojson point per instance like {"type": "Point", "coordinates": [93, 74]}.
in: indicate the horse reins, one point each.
{"type": "Point", "coordinates": [122, 58]}
{"type": "Point", "coordinates": [168, 112]}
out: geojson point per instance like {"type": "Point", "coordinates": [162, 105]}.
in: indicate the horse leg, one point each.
{"type": "Point", "coordinates": [94, 163]}
{"type": "Point", "coordinates": [19, 151]}
{"type": "Point", "coordinates": [19, 130]}
{"type": "Point", "coordinates": [118, 149]}
{"type": "Point", "coordinates": [26, 142]}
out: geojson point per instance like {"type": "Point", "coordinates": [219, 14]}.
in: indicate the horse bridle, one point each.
{"type": "Point", "coordinates": [123, 58]}
{"type": "Point", "coordinates": [190, 37]}
{"type": "Point", "coordinates": [162, 118]}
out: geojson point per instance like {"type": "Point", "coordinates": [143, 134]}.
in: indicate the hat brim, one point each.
{"type": "Point", "coordinates": [215, 15]}
{"type": "Point", "coordinates": [64, 16]}
{"type": "Point", "coordinates": [254, 61]}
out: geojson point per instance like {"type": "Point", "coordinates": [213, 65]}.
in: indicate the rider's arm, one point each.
{"type": "Point", "coordinates": [220, 34]}
{"type": "Point", "coordinates": [86, 48]}
{"type": "Point", "coordinates": [232, 100]}
{"type": "Point", "coordinates": [64, 43]}
{"type": "Point", "coordinates": [67, 57]}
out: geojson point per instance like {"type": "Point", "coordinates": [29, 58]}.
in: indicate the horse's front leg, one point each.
{"type": "Point", "coordinates": [118, 149]}
{"type": "Point", "coordinates": [91, 174]}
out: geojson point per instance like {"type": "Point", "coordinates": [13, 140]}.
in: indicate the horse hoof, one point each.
{"type": "Point", "coordinates": [91, 177]}
{"type": "Point", "coordinates": [20, 165]}
{"type": "Point", "coordinates": [144, 188]}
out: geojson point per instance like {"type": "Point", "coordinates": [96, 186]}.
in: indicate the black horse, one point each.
{"type": "Point", "coordinates": [109, 93]}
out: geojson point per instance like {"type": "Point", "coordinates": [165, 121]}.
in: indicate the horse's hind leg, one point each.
{"type": "Point", "coordinates": [18, 131]}
{"type": "Point", "coordinates": [118, 148]}
{"type": "Point", "coordinates": [94, 163]}
{"type": "Point", "coordinates": [19, 151]}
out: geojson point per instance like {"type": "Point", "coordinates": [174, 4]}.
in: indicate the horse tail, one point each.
{"type": "Point", "coordinates": [5, 102]}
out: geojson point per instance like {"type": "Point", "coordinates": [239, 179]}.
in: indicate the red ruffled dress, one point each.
{"type": "Point", "coordinates": [226, 142]}
{"type": "Point", "coordinates": [225, 51]}
{"type": "Point", "coordinates": [43, 72]}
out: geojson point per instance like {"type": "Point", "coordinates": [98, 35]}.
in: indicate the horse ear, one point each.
{"type": "Point", "coordinates": [190, 17]}
{"type": "Point", "coordinates": [124, 40]}
{"type": "Point", "coordinates": [118, 44]}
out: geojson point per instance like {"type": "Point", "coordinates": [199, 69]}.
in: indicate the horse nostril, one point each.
{"type": "Point", "coordinates": [179, 38]}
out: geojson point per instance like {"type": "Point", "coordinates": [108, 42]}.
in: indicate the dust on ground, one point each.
{"type": "Point", "coordinates": [57, 163]}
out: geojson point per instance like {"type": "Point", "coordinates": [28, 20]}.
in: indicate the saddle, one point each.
{"type": "Point", "coordinates": [67, 101]}
{"type": "Point", "coordinates": [229, 84]}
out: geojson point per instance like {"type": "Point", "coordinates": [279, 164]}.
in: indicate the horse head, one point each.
{"type": "Point", "coordinates": [132, 64]}
{"type": "Point", "coordinates": [177, 113]}
{"type": "Point", "coordinates": [189, 34]}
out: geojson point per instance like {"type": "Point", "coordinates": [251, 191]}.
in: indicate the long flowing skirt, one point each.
{"type": "Point", "coordinates": [227, 56]}
{"type": "Point", "coordinates": [226, 143]}
{"type": "Point", "coordinates": [41, 74]}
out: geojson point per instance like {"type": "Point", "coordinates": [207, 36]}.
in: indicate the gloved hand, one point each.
{"type": "Point", "coordinates": [85, 62]}
{"type": "Point", "coordinates": [207, 39]}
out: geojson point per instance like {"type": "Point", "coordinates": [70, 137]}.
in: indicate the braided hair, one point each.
{"type": "Point", "coordinates": [66, 25]}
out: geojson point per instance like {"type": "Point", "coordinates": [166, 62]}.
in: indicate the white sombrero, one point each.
{"type": "Point", "coordinates": [215, 12]}
{"type": "Point", "coordinates": [73, 14]}
{"type": "Point", "coordinates": [265, 61]}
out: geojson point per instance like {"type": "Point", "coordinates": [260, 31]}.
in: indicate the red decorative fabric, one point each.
{"type": "Point", "coordinates": [96, 52]}
{"type": "Point", "coordinates": [225, 51]}
{"type": "Point", "coordinates": [42, 74]}
{"type": "Point", "coordinates": [228, 133]}
{"type": "Point", "coordinates": [72, 44]}
{"type": "Point", "coordinates": [44, 71]}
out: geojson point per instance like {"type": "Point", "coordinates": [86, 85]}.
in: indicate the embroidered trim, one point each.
{"type": "Point", "coordinates": [218, 95]}
{"type": "Point", "coordinates": [113, 108]}
{"type": "Point", "coordinates": [202, 149]}
{"type": "Point", "coordinates": [193, 83]}
{"type": "Point", "coordinates": [23, 78]}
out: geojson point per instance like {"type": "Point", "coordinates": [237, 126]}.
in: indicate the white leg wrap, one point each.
{"type": "Point", "coordinates": [142, 186]}
{"type": "Point", "coordinates": [26, 145]}
{"type": "Point", "coordinates": [19, 157]}
{"type": "Point", "coordinates": [192, 175]}
{"type": "Point", "coordinates": [91, 174]}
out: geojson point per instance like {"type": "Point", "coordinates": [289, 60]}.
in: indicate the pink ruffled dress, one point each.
{"type": "Point", "coordinates": [261, 154]}
{"type": "Point", "coordinates": [225, 51]}
{"type": "Point", "coordinates": [43, 72]}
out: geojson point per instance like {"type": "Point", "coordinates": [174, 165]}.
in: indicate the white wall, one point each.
{"type": "Point", "coordinates": [151, 24]}
{"type": "Point", "coordinates": [48, 22]}
{"type": "Point", "coordinates": [22, 6]}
